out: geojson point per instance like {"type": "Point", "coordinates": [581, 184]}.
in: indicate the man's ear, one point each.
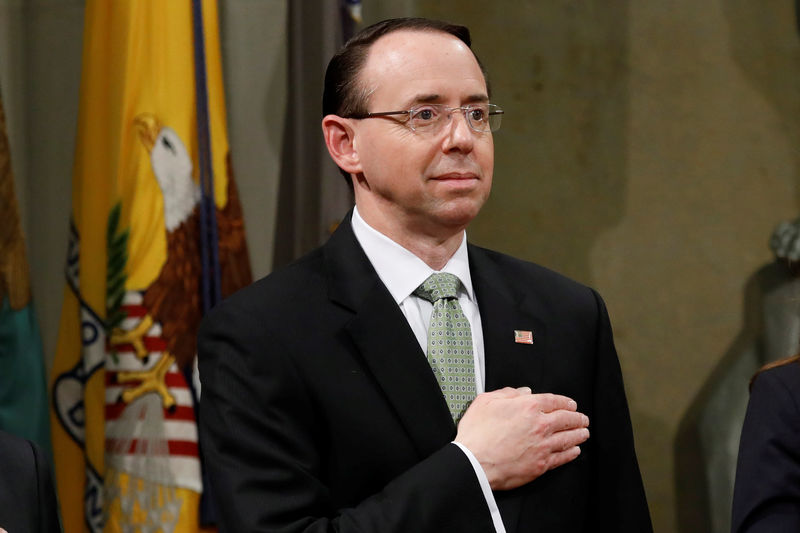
{"type": "Point", "coordinates": [339, 138]}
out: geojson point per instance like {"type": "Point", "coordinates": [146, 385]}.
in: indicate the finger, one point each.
{"type": "Point", "coordinates": [550, 402]}
{"type": "Point", "coordinates": [565, 440]}
{"type": "Point", "coordinates": [565, 420]}
{"type": "Point", "coordinates": [560, 458]}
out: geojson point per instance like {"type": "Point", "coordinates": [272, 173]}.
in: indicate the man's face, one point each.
{"type": "Point", "coordinates": [414, 181]}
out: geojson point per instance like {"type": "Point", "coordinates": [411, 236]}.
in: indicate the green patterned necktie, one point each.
{"type": "Point", "coordinates": [449, 342]}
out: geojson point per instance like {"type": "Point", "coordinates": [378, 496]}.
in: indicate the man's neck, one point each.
{"type": "Point", "coordinates": [434, 248]}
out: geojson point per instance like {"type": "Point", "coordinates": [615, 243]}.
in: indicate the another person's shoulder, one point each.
{"type": "Point", "coordinates": [27, 493]}
{"type": "Point", "coordinates": [23, 464]}
{"type": "Point", "coordinates": [779, 380]}
{"type": "Point", "coordinates": [17, 452]}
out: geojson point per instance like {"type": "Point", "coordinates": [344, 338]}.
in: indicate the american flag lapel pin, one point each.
{"type": "Point", "coordinates": [523, 337]}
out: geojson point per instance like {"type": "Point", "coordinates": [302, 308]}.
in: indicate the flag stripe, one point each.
{"type": "Point", "coordinates": [138, 311]}
{"type": "Point", "coordinates": [171, 379]}
{"type": "Point", "coordinates": [179, 412]}
{"type": "Point", "coordinates": [151, 344]}
{"type": "Point", "coordinates": [183, 397]}
{"type": "Point", "coordinates": [140, 446]}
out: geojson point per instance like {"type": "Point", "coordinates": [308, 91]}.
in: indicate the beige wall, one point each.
{"type": "Point", "coordinates": [649, 149]}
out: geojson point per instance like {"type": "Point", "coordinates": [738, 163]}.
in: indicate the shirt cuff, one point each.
{"type": "Point", "coordinates": [487, 490]}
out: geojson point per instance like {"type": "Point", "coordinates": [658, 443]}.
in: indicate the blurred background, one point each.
{"type": "Point", "coordinates": [649, 149]}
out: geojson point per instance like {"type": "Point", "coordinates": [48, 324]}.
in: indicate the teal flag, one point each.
{"type": "Point", "coordinates": [24, 410]}
{"type": "Point", "coordinates": [23, 391]}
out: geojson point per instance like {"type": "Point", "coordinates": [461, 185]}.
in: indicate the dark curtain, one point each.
{"type": "Point", "coordinates": [313, 196]}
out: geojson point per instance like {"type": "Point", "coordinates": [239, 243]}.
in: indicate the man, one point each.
{"type": "Point", "coordinates": [27, 494]}
{"type": "Point", "coordinates": [319, 408]}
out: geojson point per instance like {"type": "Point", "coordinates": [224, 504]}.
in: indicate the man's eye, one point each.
{"type": "Point", "coordinates": [477, 114]}
{"type": "Point", "coordinates": [425, 114]}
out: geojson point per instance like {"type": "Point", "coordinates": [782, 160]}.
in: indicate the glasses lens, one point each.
{"type": "Point", "coordinates": [483, 117]}
{"type": "Point", "coordinates": [495, 117]}
{"type": "Point", "coordinates": [476, 115]}
{"type": "Point", "coordinates": [426, 117]}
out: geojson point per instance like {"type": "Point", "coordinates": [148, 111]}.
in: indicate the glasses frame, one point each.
{"type": "Point", "coordinates": [494, 110]}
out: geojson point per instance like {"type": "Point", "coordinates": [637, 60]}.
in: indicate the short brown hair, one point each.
{"type": "Point", "coordinates": [342, 94]}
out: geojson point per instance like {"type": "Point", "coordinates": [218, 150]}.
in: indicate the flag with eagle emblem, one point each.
{"type": "Point", "coordinates": [156, 238]}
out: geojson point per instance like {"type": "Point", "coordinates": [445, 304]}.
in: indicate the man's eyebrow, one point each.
{"type": "Point", "coordinates": [477, 98]}
{"type": "Point", "coordinates": [431, 98]}
{"type": "Point", "coordinates": [435, 98]}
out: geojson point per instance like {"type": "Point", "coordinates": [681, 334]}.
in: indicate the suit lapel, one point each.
{"type": "Point", "coordinates": [386, 343]}
{"type": "Point", "coordinates": [505, 308]}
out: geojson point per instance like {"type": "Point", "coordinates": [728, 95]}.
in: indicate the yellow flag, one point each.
{"type": "Point", "coordinates": [156, 236]}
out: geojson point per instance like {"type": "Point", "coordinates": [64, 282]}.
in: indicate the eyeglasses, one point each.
{"type": "Point", "coordinates": [431, 118]}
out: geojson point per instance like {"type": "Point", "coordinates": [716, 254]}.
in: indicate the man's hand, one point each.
{"type": "Point", "coordinates": [517, 436]}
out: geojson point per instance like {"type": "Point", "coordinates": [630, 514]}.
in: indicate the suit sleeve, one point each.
{"type": "Point", "coordinates": [620, 501]}
{"type": "Point", "coordinates": [767, 489]}
{"type": "Point", "coordinates": [264, 448]}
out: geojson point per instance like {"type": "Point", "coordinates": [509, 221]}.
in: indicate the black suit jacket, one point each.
{"type": "Point", "coordinates": [319, 411]}
{"type": "Point", "coordinates": [27, 494]}
{"type": "Point", "coordinates": [766, 496]}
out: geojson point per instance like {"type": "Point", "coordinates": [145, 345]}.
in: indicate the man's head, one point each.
{"type": "Point", "coordinates": [407, 179]}
{"type": "Point", "coordinates": [342, 94]}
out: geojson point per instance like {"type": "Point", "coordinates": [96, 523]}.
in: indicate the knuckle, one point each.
{"type": "Point", "coordinates": [554, 461]}
{"type": "Point", "coordinates": [546, 398]}
{"type": "Point", "coordinates": [531, 405]}
{"type": "Point", "coordinates": [540, 427]}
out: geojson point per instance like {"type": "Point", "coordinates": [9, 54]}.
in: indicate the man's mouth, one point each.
{"type": "Point", "coordinates": [456, 176]}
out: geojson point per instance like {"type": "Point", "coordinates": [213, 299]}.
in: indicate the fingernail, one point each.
{"type": "Point", "coordinates": [585, 420]}
{"type": "Point", "coordinates": [525, 390]}
{"type": "Point", "coordinates": [573, 405]}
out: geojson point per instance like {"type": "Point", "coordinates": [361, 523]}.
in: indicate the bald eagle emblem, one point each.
{"type": "Point", "coordinates": [151, 386]}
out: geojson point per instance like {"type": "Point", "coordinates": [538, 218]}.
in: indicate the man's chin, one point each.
{"type": "Point", "coordinates": [459, 213]}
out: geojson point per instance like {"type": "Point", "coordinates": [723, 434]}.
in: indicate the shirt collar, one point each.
{"type": "Point", "coordinates": [399, 269]}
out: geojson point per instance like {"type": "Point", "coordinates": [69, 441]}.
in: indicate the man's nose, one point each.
{"type": "Point", "coordinates": [460, 135]}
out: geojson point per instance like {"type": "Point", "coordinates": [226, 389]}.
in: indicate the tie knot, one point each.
{"type": "Point", "coordinates": [438, 286]}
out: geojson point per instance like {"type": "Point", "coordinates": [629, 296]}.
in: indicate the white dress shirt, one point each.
{"type": "Point", "coordinates": [402, 272]}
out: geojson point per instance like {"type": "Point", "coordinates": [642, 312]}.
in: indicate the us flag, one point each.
{"type": "Point", "coordinates": [523, 337]}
